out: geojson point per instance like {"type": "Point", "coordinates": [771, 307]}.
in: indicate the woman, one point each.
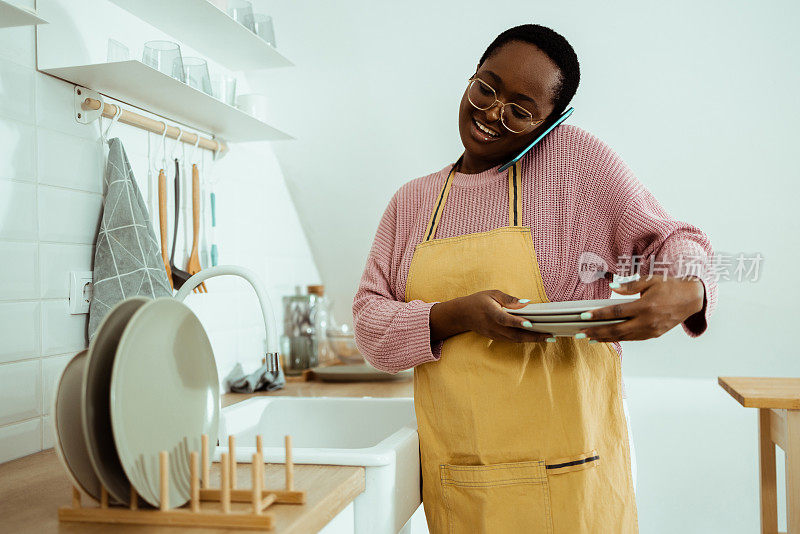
{"type": "Point", "coordinates": [520, 432]}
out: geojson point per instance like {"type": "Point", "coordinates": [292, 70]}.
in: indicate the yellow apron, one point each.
{"type": "Point", "coordinates": [515, 437]}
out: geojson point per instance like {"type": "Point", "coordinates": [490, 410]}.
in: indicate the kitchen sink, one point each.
{"type": "Point", "coordinates": [379, 434]}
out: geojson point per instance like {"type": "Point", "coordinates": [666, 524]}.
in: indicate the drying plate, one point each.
{"type": "Point", "coordinates": [560, 318]}
{"type": "Point", "coordinates": [568, 329]}
{"type": "Point", "coordinates": [570, 306]}
{"type": "Point", "coordinates": [164, 396]}
{"type": "Point", "coordinates": [67, 422]}
{"type": "Point", "coordinates": [95, 408]}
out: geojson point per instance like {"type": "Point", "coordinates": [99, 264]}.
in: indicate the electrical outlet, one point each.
{"type": "Point", "coordinates": [80, 291]}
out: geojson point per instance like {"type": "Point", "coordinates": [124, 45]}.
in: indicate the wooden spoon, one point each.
{"type": "Point", "coordinates": [162, 220]}
{"type": "Point", "coordinates": [193, 266]}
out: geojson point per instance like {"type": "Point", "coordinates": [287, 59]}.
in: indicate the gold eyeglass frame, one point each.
{"type": "Point", "coordinates": [503, 105]}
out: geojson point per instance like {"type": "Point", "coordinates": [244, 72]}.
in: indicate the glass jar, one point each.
{"type": "Point", "coordinates": [298, 332]}
{"type": "Point", "coordinates": [305, 320]}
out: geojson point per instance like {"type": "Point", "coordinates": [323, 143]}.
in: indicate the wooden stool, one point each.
{"type": "Point", "coordinates": [778, 403]}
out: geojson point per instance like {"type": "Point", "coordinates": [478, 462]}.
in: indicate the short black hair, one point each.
{"type": "Point", "coordinates": [557, 49]}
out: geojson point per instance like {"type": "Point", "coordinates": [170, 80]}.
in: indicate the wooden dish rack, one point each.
{"type": "Point", "coordinates": [195, 513]}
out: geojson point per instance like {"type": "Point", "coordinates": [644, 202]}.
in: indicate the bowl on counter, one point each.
{"type": "Point", "coordinates": [342, 341]}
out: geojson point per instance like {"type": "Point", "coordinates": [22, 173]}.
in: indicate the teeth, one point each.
{"type": "Point", "coordinates": [483, 128]}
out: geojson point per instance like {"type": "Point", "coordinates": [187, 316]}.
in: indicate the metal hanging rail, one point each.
{"type": "Point", "coordinates": [96, 107]}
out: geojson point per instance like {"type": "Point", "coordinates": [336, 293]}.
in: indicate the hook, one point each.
{"type": "Point", "coordinates": [194, 148]}
{"type": "Point", "coordinates": [177, 143]}
{"type": "Point", "coordinates": [163, 146]}
{"type": "Point", "coordinates": [114, 120]}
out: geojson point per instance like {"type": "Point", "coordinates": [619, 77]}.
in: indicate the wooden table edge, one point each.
{"type": "Point", "coordinates": [759, 403]}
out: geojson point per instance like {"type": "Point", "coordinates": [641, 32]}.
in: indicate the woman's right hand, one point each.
{"type": "Point", "coordinates": [483, 314]}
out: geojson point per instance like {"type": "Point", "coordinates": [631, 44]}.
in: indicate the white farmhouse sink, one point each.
{"type": "Point", "coordinates": [379, 434]}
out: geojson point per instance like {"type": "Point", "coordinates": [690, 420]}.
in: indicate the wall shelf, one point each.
{"type": "Point", "coordinates": [139, 85]}
{"type": "Point", "coordinates": [11, 15]}
{"type": "Point", "coordinates": [208, 30]}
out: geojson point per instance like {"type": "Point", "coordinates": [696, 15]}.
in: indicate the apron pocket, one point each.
{"type": "Point", "coordinates": [512, 497]}
{"type": "Point", "coordinates": [583, 461]}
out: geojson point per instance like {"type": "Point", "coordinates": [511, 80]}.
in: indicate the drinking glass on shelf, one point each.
{"type": "Point", "coordinates": [224, 89]}
{"type": "Point", "coordinates": [117, 51]}
{"type": "Point", "coordinates": [197, 74]}
{"type": "Point", "coordinates": [263, 27]}
{"type": "Point", "coordinates": [164, 56]}
{"type": "Point", "coordinates": [242, 12]}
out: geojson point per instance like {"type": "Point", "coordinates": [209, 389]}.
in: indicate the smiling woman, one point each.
{"type": "Point", "coordinates": [520, 432]}
{"type": "Point", "coordinates": [539, 80]}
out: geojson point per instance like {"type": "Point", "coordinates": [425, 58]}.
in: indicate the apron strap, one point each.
{"type": "Point", "coordinates": [437, 213]}
{"type": "Point", "coordinates": [515, 194]}
{"type": "Point", "coordinates": [514, 199]}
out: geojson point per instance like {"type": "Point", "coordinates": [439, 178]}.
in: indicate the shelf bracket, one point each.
{"type": "Point", "coordinates": [219, 154]}
{"type": "Point", "coordinates": [86, 116]}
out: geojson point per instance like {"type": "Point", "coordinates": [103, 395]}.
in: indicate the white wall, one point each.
{"type": "Point", "coordinates": [51, 173]}
{"type": "Point", "coordinates": [698, 98]}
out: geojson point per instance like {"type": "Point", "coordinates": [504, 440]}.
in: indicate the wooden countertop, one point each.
{"type": "Point", "coordinates": [390, 388]}
{"type": "Point", "coordinates": [32, 488]}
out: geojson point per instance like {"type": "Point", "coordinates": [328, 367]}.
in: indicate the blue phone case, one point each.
{"type": "Point", "coordinates": [561, 119]}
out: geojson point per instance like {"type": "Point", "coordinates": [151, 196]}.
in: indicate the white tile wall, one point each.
{"type": "Point", "coordinates": [18, 140]}
{"type": "Point", "coordinates": [17, 92]}
{"type": "Point", "coordinates": [62, 332]}
{"type": "Point", "coordinates": [70, 161]}
{"type": "Point", "coordinates": [16, 44]}
{"type": "Point", "coordinates": [19, 330]}
{"type": "Point", "coordinates": [68, 216]}
{"type": "Point", "coordinates": [18, 277]}
{"type": "Point", "coordinates": [56, 260]}
{"type": "Point", "coordinates": [17, 210]}
{"type": "Point", "coordinates": [20, 439]}
{"type": "Point", "coordinates": [20, 391]}
{"type": "Point", "coordinates": [51, 186]}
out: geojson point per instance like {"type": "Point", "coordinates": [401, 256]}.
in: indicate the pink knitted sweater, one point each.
{"type": "Point", "coordinates": [578, 196]}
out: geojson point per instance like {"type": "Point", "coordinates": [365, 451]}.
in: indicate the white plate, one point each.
{"type": "Point", "coordinates": [568, 329]}
{"type": "Point", "coordinates": [561, 318]}
{"type": "Point", "coordinates": [69, 443]}
{"type": "Point", "coordinates": [570, 306]}
{"type": "Point", "coordinates": [95, 407]}
{"type": "Point", "coordinates": [164, 396]}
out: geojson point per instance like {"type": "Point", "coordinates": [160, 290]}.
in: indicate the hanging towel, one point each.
{"type": "Point", "coordinates": [260, 379]}
{"type": "Point", "coordinates": [127, 258]}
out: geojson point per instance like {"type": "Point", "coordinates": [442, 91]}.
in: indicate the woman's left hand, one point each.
{"type": "Point", "coordinates": [665, 303]}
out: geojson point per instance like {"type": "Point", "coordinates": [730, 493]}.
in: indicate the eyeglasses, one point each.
{"type": "Point", "coordinates": [517, 120]}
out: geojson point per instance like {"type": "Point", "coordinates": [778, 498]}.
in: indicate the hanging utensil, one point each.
{"type": "Point", "coordinates": [162, 219]}
{"type": "Point", "coordinates": [214, 248]}
{"type": "Point", "coordinates": [193, 266]}
{"type": "Point", "coordinates": [178, 276]}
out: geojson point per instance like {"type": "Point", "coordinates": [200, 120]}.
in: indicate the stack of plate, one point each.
{"type": "Point", "coordinates": [564, 318]}
{"type": "Point", "coordinates": [148, 383]}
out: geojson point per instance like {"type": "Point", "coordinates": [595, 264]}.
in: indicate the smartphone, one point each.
{"type": "Point", "coordinates": [561, 119]}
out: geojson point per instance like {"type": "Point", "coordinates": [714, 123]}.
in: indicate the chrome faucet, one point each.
{"type": "Point", "coordinates": [266, 308]}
